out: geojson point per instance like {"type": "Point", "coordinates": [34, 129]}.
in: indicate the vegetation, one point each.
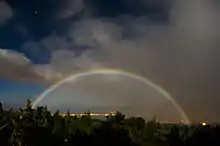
{"type": "Point", "coordinates": [37, 127]}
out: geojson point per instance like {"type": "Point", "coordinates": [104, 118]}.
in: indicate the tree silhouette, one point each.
{"type": "Point", "coordinates": [38, 127]}
{"type": "Point", "coordinates": [1, 108]}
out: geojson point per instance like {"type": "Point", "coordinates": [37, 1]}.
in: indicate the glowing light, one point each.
{"type": "Point", "coordinates": [90, 114]}
{"type": "Point", "coordinates": [112, 72]}
{"type": "Point", "coordinates": [204, 124]}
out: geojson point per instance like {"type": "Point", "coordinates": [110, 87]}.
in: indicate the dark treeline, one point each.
{"type": "Point", "coordinates": [37, 127]}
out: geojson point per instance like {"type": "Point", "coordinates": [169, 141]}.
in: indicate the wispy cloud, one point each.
{"type": "Point", "coordinates": [22, 30]}
{"type": "Point", "coordinates": [5, 12]}
{"type": "Point", "coordinates": [70, 8]}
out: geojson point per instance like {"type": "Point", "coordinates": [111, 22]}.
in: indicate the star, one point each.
{"type": "Point", "coordinates": [35, 13]}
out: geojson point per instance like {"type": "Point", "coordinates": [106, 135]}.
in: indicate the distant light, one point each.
{"type": "Point", "coordinates": [204, 124]}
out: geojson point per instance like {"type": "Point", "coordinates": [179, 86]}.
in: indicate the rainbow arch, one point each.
{"type": "Point", "coordinates": [112, 72]}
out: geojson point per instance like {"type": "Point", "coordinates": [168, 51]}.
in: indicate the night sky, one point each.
{"type": "Point", "coordinates": [173, 43]}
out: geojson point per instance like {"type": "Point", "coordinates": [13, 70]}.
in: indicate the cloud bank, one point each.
{"type": "Point", "coordinates": [15, 66]}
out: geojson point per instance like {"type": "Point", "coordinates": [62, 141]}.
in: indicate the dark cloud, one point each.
{"type": "Point", "coordinates": [5, 12]}
{"type": "Point", "coordinates": [156, 10]}
{"type": "Point", "coordinates": [15, 66]}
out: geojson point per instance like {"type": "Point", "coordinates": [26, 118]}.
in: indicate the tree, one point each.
{"type": "Point", "coordinates": [28, 104]}
{"type": "Point", "coordinates": [174, 137]}
{"type": "Point", "coordinates": [117, 119]}
{"type": "Point", "coordinates": [136, 128]}
{"type": "Point", "coordinates": [37, 127]}
{"type": "Point", "coordinates": [1, 108]}
{"type": "Point", "coordinates": [151, 128]}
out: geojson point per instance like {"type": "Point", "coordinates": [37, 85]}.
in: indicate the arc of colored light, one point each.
{"type": "Point", "coordinates": [112, 72]}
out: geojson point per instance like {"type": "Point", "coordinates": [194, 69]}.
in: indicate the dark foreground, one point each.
{"type": "Point", "coordinates": [37, 127]}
